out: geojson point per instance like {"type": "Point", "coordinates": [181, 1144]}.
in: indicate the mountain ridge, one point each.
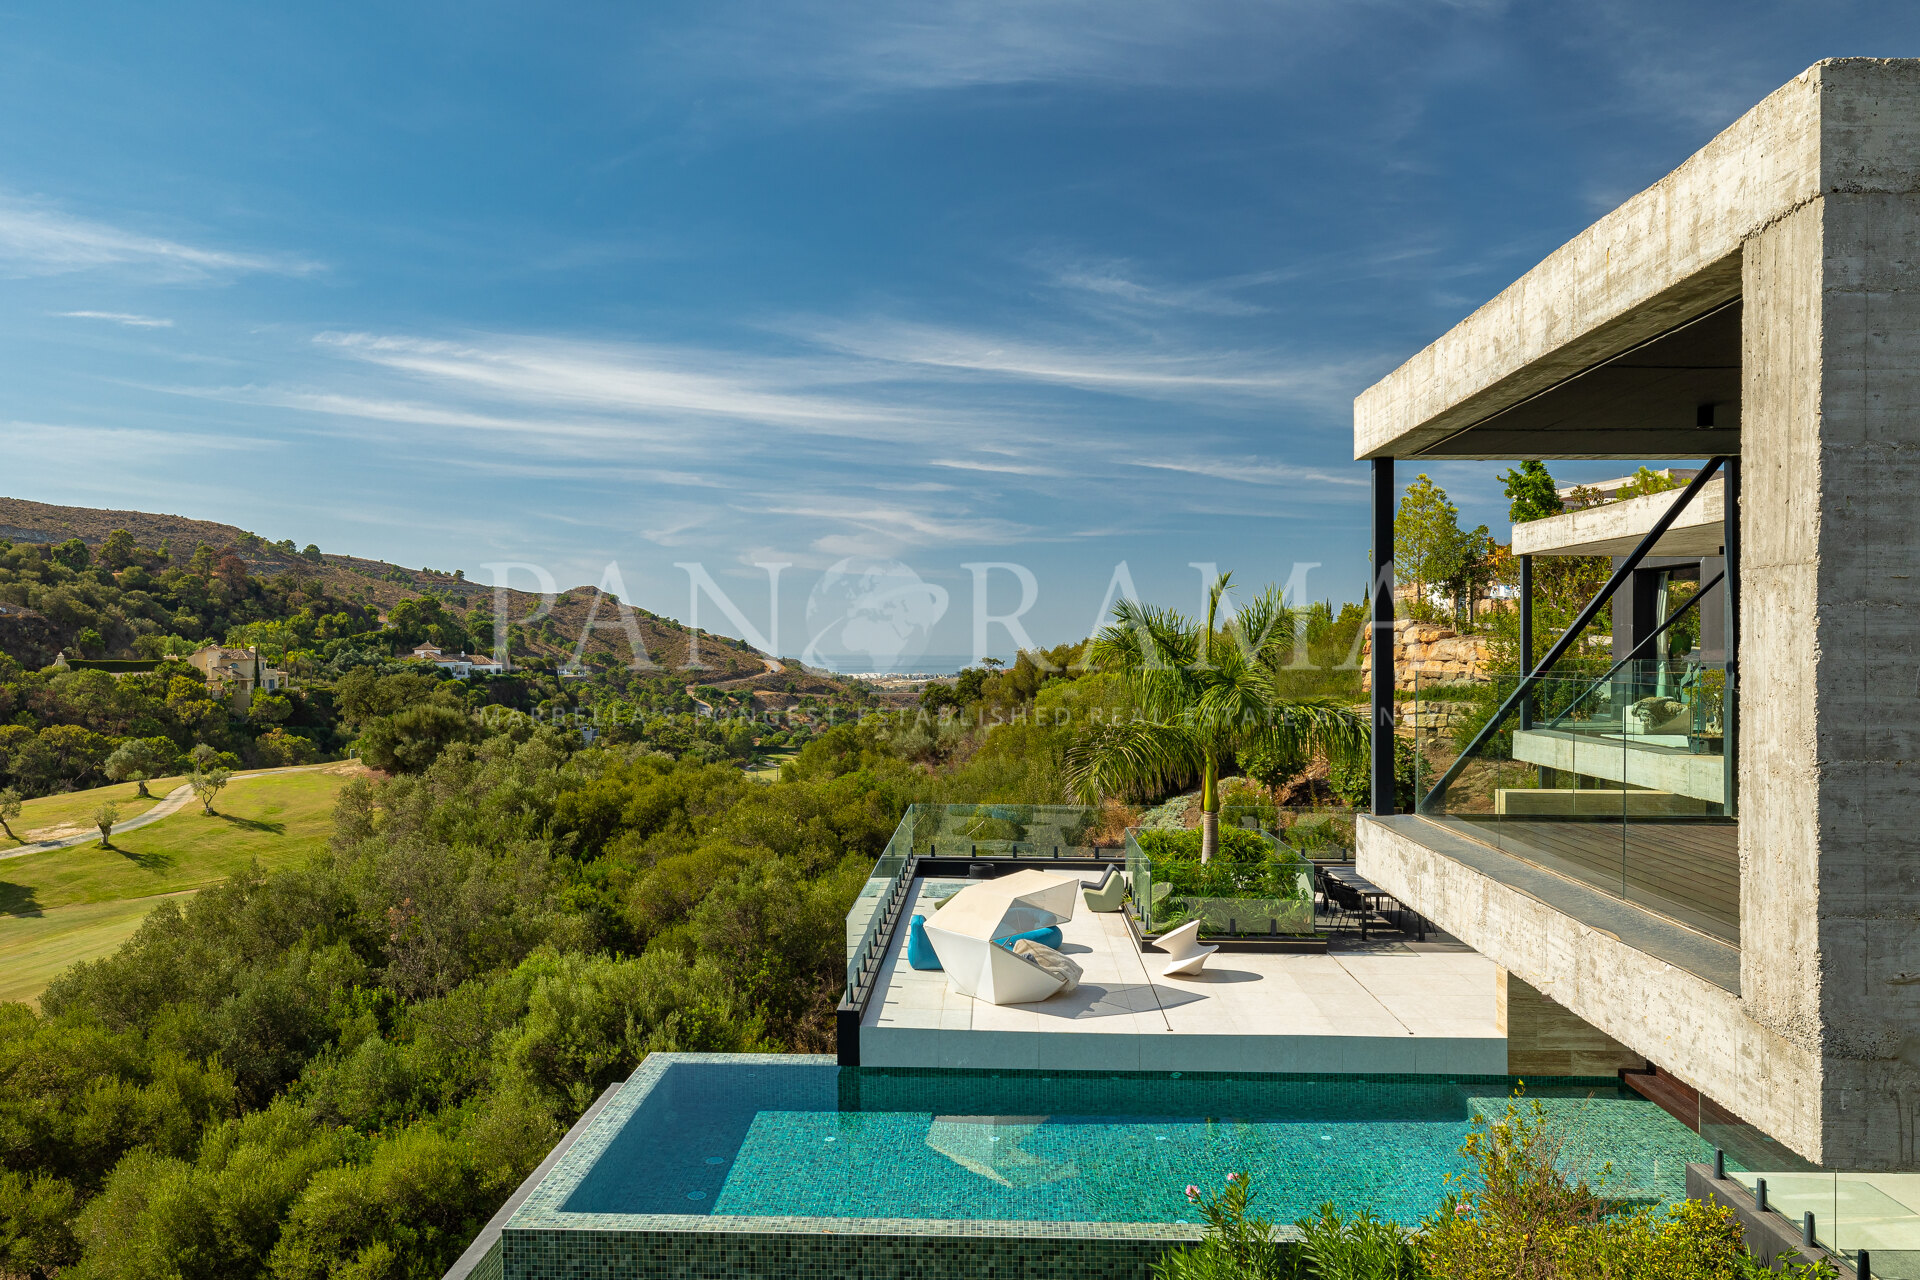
{"type": "Point", "coordinates": [383, 584]}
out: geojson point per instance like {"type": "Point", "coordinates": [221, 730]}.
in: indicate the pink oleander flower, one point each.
{"type": "Point", "coordinates": [1462, 1209]}
{"type": "Point", "coordinates": [1193, 1192]}
{"type": "Point", "coordinates": [1233, 1177]}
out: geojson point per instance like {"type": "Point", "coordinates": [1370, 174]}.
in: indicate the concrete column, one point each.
{"type": "Point", "coordinates": [1384, 499]}
{"type": "Point", "coordinates": [1829, 688]}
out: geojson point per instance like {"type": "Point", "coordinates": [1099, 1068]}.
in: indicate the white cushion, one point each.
{"type": "Point", "coordinates": [1052, 961]}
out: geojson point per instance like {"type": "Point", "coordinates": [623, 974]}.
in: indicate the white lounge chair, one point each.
{"type": "Point", "coordinates": [965, 934]}
{"type": "Point", "coordinates": [1189, 954]}
{"type": "Point", "coordinates": [985, 970]}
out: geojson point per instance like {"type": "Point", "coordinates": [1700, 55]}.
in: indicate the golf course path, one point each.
{"type": "Point", "coordinates": [175, 801]}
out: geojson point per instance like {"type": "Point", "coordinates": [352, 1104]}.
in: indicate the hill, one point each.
{"type": "Point", "coordinates": [379, 585]}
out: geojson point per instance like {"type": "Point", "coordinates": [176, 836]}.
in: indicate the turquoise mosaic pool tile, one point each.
{"type": "Point", "coordinates": [740, 1165]}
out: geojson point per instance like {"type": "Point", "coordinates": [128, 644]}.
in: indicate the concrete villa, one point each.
{"type": "Point", "coordinates": [1741, 907]}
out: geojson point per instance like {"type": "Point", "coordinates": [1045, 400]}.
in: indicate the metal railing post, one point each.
{"type": "Point", "coordinates": [1730, 687]}
{"type": "Point", "coordinates": [1526, 634]}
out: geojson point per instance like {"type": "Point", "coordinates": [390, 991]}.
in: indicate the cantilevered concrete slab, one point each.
{"type": "Point", "coordinates": [1617, 528]}
{"type": "Point", "coordinates": [1664, 268]}
{"type": "Point", "coordinates": [1806, 213]}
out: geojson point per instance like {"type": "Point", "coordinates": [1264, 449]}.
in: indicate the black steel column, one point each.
{"type": "Point", "coordinates": [1383, 507]}
{"type": "Point", "coordinates": [1730, 593]}
{"type": "Point", "coordinates": [1526, 636]}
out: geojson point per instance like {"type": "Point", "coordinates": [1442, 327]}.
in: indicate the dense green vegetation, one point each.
{"type": "Point", "coordinates": [341, 1068]}
{"type": "Point", "coordinates": [1519, 1215]}
{"type": "Point", "coordinates": [60, 729]}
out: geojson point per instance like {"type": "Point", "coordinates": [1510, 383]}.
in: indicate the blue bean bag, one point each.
{"type": "Point", "coordinates": [1047, 937]}
{"type": "Point", "coordinates": [920, 951]}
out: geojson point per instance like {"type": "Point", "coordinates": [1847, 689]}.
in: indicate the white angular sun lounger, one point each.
{"type": "Point", "coordinates": [1189, 955]}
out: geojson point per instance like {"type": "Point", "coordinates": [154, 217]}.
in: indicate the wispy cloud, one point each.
{"type": "Point", "coordinates": [38, 239]}
{"type": "Point", "coordinates": [996, 467]}
{"type": "Point", "coordinates": [1150, 369]}
{"type": "Point", "coordinates": [33, 436]}
{"type": "Point", "coordinates": [1118, 284]}
{"type": "Point", "coordinates": [897, 526]}
{"type": "Point", "coordinates": [1252, 471]}
{"type": "Point", "coordinates": [642, 381]}
{"type": "Point", "coordinates": [898, 46]}
{"type": "Point", "coordinates": [119, 317]}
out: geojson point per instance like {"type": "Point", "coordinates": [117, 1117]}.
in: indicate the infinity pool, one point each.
{"type": "Point", "coordinates": [807, 1139]}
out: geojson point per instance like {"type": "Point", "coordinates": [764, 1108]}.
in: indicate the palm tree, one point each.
{"type": "Point", "coordinates": [1201, 694]}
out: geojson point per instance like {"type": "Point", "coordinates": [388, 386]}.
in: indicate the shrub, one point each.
{"type": "Point", "coordinates": [1520, 1213]}
{"type": "Point", "coordinates": [1236, 844]}
{"type": "Point", "coordinates": [1237, 1247]}
{"type": "Point", "coordinates": [1362, 1247]}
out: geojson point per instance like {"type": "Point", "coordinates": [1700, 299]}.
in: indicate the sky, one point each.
{"type": "Point", "coordinates": [877, 292]}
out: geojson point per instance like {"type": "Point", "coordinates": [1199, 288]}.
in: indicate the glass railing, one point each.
{"type": "Point", "coordinates": [1015, 831]}
{"type": "Point", "coordinates": [1845, 1213]}
{"type": "Point", "coordinates": [883, 887]}
{"type": "Point", "coordinates": [1244, 892]}
{"type": "Point", "coordinates": [1614, 777]}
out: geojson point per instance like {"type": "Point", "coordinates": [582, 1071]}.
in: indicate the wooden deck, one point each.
{"type": "Point", "coordinates": [1688, 871]}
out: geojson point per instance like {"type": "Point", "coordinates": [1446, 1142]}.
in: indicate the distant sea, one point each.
{"type": "Point", "coordinates": [927, 664]}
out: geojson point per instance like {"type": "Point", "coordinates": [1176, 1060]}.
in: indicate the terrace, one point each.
{"type": "Point", "coordinates": [1314, 996]}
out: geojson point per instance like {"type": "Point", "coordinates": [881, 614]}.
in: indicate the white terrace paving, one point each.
{"type": "Point", "coordinates": [1393, 1008]}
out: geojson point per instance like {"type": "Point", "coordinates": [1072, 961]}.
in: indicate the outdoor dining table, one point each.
{"type": "Point", "coordinates": [1373, 894]}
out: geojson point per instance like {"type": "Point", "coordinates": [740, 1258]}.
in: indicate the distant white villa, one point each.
{"type": "Point", "coordinates": [459, 665]}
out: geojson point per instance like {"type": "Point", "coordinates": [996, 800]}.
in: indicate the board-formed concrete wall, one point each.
{"type": "Point", "coordinates": [1813, 201]}
{"type": "Point", "coordinates": [1830, 690]}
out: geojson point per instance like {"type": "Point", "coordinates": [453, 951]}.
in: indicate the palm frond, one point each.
{"type": "Point", "coordinates": [1136, 755]}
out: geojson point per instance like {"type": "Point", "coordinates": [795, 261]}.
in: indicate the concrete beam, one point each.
{"type": "Point", "coordinates": [1670, 254]}
{"type": "Point", "coordinates": [1616, 528]}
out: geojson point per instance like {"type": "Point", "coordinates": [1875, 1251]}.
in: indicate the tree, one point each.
{"type": "Point", "coordinates": [1470, 567]}
{"type": "Point", "coordinates": [268, 708]}
{"type": "Point", "coordinates": [119, 550]}
{"type": "Point", "coordinates": [104, 817]}
{"type": "Point", "coordinates": [1202, 692]}
{"type": "Point", "coordinates": [1645, 481]}
{"type": "Point", "coordinates": [139, 760]}
{"type": "Point", "coordinates": [207, 784]}
{"type": "Point", "coordinates": [1426, 532]}
{"type": "Point", "coordinates": [410, 740]}
{"type": "Point", "coordinates": [1430, 546]}
{"type": "Point", "coordinates": [312, 553]}
{"type": "Point", "coordinates": [10, 803]}
{"type": "Point", "coordinates": [72, 553]}
{"type": "Point", "coordinates": [1530, 486]}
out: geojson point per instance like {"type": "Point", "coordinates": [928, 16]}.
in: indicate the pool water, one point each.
{"type": "Point", "coordinates": [824, 1141]}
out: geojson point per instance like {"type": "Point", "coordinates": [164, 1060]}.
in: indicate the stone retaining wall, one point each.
{"type": "Point", "coordinates": [1430, 653]}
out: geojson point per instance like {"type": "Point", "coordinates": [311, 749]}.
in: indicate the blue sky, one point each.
{"type": "Point", "coordinates": [1061, 284]}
